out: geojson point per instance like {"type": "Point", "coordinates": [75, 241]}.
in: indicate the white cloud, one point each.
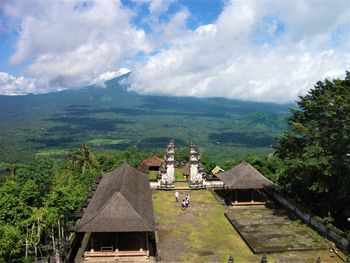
{"type": "Point", "coordinates": [100, 80]}
{"type": "Point", "coordinates": [220, 59]}
{"type": "Point", "coordinates": [255, 50]}
{"type": "Point", "coordinates": [11, 85]}
{"type": "Point", "coordinates": [70, 43]}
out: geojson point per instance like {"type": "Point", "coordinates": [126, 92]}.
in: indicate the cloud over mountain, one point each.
{"type": "Point", "coordinates": [256, 50]}
{"type": "Point", "coordinates": [72, 42]}
{"type": "Point", "coordinates": [253, 50]}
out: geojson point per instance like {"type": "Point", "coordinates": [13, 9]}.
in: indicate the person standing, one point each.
{"type": "Point", "coordinates": [183, 204]}
{"type": "Point", "coordinates": [176, 196]}
{"type": "Point", "coordinates": [188, 198]}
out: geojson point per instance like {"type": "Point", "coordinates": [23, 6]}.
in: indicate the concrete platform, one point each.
{"type": "Point", "coordinates": [273, 229]}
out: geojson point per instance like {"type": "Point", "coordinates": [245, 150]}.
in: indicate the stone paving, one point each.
{"type": "Point", "coordinates": [273, 229]}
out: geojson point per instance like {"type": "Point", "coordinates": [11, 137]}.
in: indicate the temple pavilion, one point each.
{"type": "Point", "coordinates": [151, 164]}
{"type": "Point", "coordinates": [118, 222]}
{"type": "Point", "coordinates": [243, 185]}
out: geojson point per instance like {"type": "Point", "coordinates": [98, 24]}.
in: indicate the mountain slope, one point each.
{"type": "Point", "coordinates": [114, 118]}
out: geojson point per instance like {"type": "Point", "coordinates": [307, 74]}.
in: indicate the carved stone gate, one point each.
{"type": "Point", "coordinates": [167, 170]}
{"type": "Point", "coordinates": [197, 173]}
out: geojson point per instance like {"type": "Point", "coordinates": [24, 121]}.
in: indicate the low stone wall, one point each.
{"type": "Point", "coordinates": [213, 184]}
{"type": "Point", "coordinates": [154, 185]}
{"type": "Point", "coordinates": [331, 232]}
{"type": "Point", "coordinates": [206, 184]}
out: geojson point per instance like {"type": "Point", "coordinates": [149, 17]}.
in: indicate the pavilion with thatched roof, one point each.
{"type": "Point", "coordinates": [118, 221]}
{"type": "Point", "coordinates": [151, 164]}
{"type": "Point", "coordinates": [243, 184]}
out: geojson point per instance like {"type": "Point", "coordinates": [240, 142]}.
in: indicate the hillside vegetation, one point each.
{"type": "Point", "coordinates": [113, 118]}
{"type": "Point", "coordinates": [39, 199]}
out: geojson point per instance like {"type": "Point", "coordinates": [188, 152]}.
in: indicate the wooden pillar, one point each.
{"type": "Point", "coordinates": [236, 201]}
{"type": "Point", "coordinates": [252, 195]}
{"type": "Point", "coordinates": [116, 242]}
{"type": "Point", "coordinates": [92, 242]}
{"type": "Point", "coordinates": [141, 243]}
{"type": "Point", "coordinates": [147, 243]}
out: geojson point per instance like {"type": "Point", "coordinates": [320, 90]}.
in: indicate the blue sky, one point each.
{"type": "Point", "coordinates": [266, 50]}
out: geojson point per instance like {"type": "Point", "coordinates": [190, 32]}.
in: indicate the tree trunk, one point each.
{"type": "Point", "coordinates": [26, 254]}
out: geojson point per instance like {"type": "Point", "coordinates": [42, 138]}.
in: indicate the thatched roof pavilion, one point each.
{"type": "Point", "coordinates": [245, 181]}
{"type": "Point", "coordinates": [122, 203]}
{"type": "Point", "coordinates": [119, 218]}
{"type": "Point", "coordinates": [151, 164]}
{"type": "Point", "coordinates": [244, 176]}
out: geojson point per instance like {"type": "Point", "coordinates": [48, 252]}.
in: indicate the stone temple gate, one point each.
{"type": "Point", "coordinates": [197, 173]}
{"type": "Point", "coordinates": [167, 170]}
{"type": "Point", "coordinates": [166, 176]}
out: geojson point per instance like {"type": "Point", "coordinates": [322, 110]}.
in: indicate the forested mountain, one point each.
{"type": "Point", "coordinates": [115, 118]}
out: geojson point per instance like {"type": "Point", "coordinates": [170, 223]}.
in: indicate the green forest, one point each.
{"type": "Point", "coordinates": [114, 118]}
{"type": "Point", "coordinates": [42, 194]}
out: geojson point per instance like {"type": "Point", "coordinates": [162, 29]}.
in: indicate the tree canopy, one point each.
{"type": "Point", "coordinates": [316, 149]}
{"type": "Point", "coordinates": [38, 202]}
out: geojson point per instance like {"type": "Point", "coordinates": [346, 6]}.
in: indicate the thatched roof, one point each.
{"type": "Point", "coordinates": [244, 176]}
{"type": "Point", "coordinates": [154, 161]}
{"type": "Point", "coordinates": [122, 203]}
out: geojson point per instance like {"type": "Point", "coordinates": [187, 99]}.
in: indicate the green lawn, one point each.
{"type": "Point", "coordinates": [152, 175]}
{"type": "Point", "coordinates": [199, 234]}
{"type": "Point", "coordinates": [179, 174]}
{"type": "Point", "coordinates": [203, 234]}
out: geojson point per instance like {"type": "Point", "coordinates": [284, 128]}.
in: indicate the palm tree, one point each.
{"type": "Point", "coordinates": [84, 160]}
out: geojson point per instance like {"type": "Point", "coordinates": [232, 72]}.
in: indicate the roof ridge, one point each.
{"type": "Point", "coordinates": [139, 173]}
{"type": "Point", "coordinates": [121, 176]}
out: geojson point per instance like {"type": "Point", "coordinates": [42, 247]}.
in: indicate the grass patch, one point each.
{"type": "Point", "coordinates": [181, 185]}
{"type": "Point", "coordinates": [103, 141]}
{"type": "Point", "coordinates": [179, 174]}
{"type": "Point", "coordinates": [51, 152]}
{"type": "Point", "coordinates": [202, 233]}
{"type": "Point", "coordinates": [152, 175]}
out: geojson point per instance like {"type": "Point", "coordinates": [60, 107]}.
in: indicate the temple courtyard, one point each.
{"type": "Point", "coordinates": [202, 233]}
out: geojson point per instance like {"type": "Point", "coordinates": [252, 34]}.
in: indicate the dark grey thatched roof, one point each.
{"type": "Point", "coordinates": [122, 203]}
{"type": "Point", "coordinates": [244, 176]}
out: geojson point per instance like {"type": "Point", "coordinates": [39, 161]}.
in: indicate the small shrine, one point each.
{"type": "Point", "coordinates": [197, 173]}
{"type": "Point", "coordinates": [167, 170]}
